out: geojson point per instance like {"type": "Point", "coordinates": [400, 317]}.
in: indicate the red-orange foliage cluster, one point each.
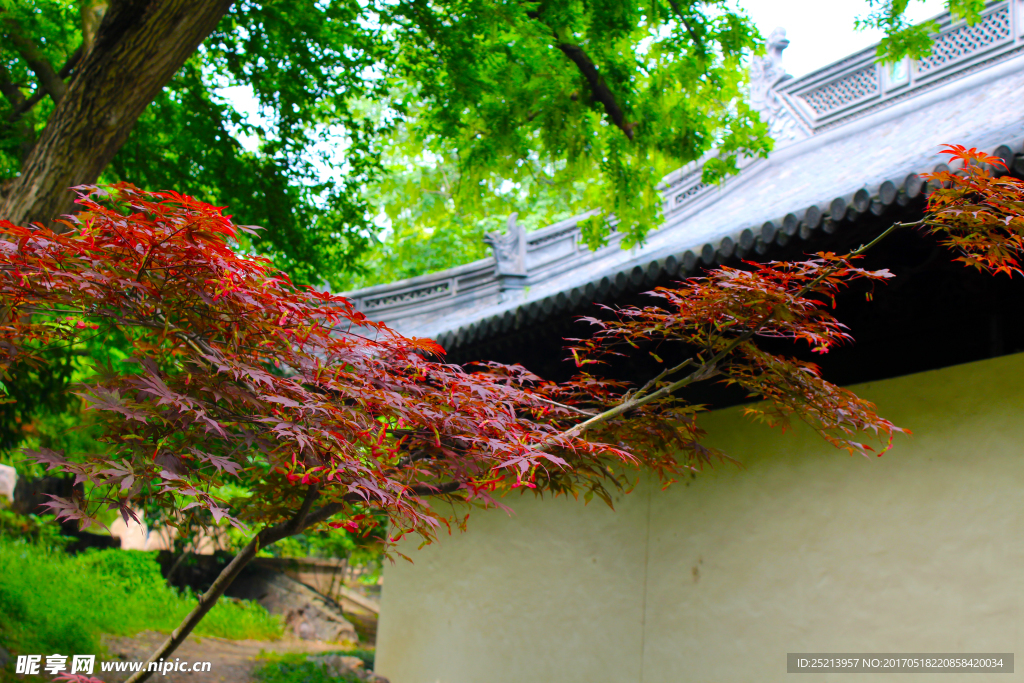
{"type": "Point", "coordinates": [238, 374]}
{"type": "Point", "coordinates": [976, 213]}
{"type": "Point", "coordinates": [720, 316]}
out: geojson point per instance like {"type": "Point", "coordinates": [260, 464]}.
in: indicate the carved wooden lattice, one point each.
{"type": "Point", "coordinates": [428, 291]}
{"type": "Point", "coordinates": [966, 40]}
{"type": "Point", "coordinates": [851, 88]}
{"type": "Point", "coordinates": [691, 191]}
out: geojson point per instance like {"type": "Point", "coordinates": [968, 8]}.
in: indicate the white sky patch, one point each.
{"type": "Point", "coordinates": [822, 31]}
{"type": "Point", "coordinates": [242, 98]}
{"type": "Point", "coordinates": [244, 101]}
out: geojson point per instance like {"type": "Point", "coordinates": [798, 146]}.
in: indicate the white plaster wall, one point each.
{"type": "Point", "coordinates": [519, 597]}
{"type": "Point", "coordinates": [802, 549]}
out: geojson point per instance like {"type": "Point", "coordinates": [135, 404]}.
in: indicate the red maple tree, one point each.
{"type": "Point", "coordinates": [328, 418]}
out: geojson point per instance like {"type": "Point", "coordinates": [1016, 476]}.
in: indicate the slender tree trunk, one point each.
{"type": "Point", "coordinates": [138, 48]}
{"type": "Point", "coordinates": [206, 602]}
{"type": "Point", "coordinates": [301, 520]}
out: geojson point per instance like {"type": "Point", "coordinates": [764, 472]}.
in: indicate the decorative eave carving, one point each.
{"type": "Point", "coordinates": [860, 85]}
{"type": "Point", "coordinates": [766, 74]}
{"type": "Point", "coordinates": [509, 251]}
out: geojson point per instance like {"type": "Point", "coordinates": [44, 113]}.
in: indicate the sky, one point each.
{"type": "Point", "coordinates": [821, 31]}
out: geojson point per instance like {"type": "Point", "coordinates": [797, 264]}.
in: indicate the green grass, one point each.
{"type": "Point", "coordinates": [297, 672]}
{"type": "Point", "coordinates": [295, 667]}
{"type": "Point", "coordinates": [52, 602]}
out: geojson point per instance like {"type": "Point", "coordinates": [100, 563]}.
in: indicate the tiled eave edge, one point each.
{"type": "Point", "coordinates": [751, 242]}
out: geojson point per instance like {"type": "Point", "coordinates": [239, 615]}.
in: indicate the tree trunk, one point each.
{"type": "Point", "coordinates": [268, 536]}
{"type": "Point", "coordinates": [206, 602]}
{"type": "Point", "coordinates": [138, 48]}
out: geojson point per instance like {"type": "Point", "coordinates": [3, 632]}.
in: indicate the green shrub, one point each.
{"type": "Point", "coordinates": [295, 668]}
{"type": "Point", "coordinates": [52, 602]}
{"type": "Point", "coordinates": [15, 526]}
{"type": "Point", "coordinates": [302, 672]}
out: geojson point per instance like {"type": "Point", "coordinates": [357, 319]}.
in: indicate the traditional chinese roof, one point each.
{"type": "Point", "coordinates": [851, 141]}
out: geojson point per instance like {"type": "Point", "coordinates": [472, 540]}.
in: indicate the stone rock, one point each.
{"type": "Point", "coordinates": [8, 480]}
{"type": "Point", "coordinates": [340, 665]}
{"type": "Point", "coordinates": [307, 613]}
{"type": "Point", "coordinates": [5, 657]}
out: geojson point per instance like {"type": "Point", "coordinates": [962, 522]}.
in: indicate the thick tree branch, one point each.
{"type": "Point", "coordinates": [37, 96]}
{"type": "Point", "coordinates": [50, 81]}
{"type": "Point", "coordinates": [26, 105]}
{"type": "Point", "coordinates": [8, 89]}
{"type": "Point", "coordinates": [139, 45]}
{"type": "Point", "coordinates": [598, 88]}
{"type": "Point", "coordinates": [23, 132]}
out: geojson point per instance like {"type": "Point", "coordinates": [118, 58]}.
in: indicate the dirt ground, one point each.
{"type": "Point", "coordinates": [232, 661]}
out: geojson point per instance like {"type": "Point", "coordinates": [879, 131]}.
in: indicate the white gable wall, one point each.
{"type": "Point", "coordinates": [802, 549]}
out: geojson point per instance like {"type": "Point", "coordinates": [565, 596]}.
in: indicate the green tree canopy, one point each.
{"type": "Point", "coordinates": [558, 105]}
{"type": "Point", "coordinates": [530, 94]}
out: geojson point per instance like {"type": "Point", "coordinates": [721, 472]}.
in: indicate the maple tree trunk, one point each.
{"type": "Point", "coordinates": [302, 519]}
{"type": "Point", "coordinates": [138, 48]}
{"type": "Point", "coordinates": [206, 602]}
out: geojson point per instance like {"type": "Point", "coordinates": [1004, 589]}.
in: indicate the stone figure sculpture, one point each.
{"type": "Point", "coordinates": [766, 73]}
{"type": "Point", "coordinates": [509, 248]}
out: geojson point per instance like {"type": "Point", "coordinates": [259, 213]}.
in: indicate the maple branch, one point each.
{"type": "Point", "coordinates": [301, 520]}
{"type": "Point", "coordinates": [312, 493]}
{"type": "Point", "coordinates": [411, 458]}
{"type": "Point", "coordinates": [436, 489]}
{"type": "Point", "coordinates": [662, 375]}
{"type": "Point", "coordinates": [563, 405]}
{"type": "Point", "coordinates": [325, 512]}
{"type": "Point", "coordinates": [710, 367]}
